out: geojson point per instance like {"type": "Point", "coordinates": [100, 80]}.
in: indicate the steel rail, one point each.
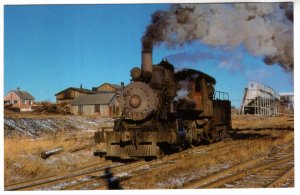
{"type": "Point", "coordinates": [55, 175]}
{"type": "Point", "coordinates": [116, 170]}
{"type": "Point", "coordinates": [163, 162]}
{"type": "Point", "coordinates": [170, 166]}
{"type": "Point", "coordinates": [288, 174]}
{"type": "Point", "coordinates": [55, 179]}
{"type": "Point", "coordinates": [236, 171]}
{"type": "Point", "coordinates": [244, 173]}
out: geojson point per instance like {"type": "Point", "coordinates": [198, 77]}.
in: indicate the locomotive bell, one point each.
{"type": "Point", "coordinates": [135, 73]}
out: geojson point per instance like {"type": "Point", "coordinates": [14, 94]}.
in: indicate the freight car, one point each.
{"type": "Point", "coordinates": [165, 111]}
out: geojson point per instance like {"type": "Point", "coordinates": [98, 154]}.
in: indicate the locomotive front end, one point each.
{"type": "Point", "coordinates": [144, 103]}
{"type": "Point", "coordinates": [139, 101]}
{"type": "Point", "coordinates": [135, 133]}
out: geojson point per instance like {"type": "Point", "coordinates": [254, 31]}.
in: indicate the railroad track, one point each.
{"type": "Point", "coordinates": [136, 169]}
{"type": "Point", "coordinates": [95, 175]}
{"type": "Point", "coordinates": [99, 179]}
{"type": "Point", "coordinates": [37, 182]}
{"type": "Point", "coordinates": [166, 163]}
{"type": "Point", "coordinates": [78, 179]}
{"type": "Point", "coordinates": [92, 179]}
{"type": "Point", "coordinates": [273, 170]}
{"type": "Point", "coordinates": [172, 162]}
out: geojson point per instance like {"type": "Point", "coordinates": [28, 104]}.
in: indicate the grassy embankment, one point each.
{"type": "Point", "coordinates": [22, 157]}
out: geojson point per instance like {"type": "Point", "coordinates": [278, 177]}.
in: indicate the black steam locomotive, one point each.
{"type": "Point", "coordinates": [163, 111]}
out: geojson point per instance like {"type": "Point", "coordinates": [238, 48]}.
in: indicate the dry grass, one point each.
{"type": "Point", "coordinates": [22, 159]}
{"type": "Point", "coordinates": [235, 155]}
{"type": "Point", "coordinates": [30, 115]}
{"type": "Point", "coordinates": [36, 115]}
{"type": "Point", "coordinates": [242, 122]}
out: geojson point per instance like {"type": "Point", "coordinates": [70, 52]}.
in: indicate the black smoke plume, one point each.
{"type": "Point", "coordinates": [265, 29]}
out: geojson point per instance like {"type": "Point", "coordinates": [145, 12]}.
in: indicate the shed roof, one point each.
{"type": "Point", "coordinates": [93, 99]}
{"type": "Point", "coordinates": [112, 85]}
{"type": "Point", "coordinates": [87, 91]}
{"type": "Point", "coordinates": [286, 93]}
{"type": "Point", "coordinates": [24, 95]}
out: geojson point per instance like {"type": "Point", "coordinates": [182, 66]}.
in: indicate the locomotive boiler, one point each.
{"type": "Point", "coordinates": [165, 111]}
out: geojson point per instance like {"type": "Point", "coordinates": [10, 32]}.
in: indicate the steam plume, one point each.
{"type": "Point", "coordinates": [266, 29]}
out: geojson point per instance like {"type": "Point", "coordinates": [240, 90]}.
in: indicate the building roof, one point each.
{"type": "Point", "coordinates": [286, 93]}
{"type": "Point", "coordinates": [87, 91]}
{"type": "Point", "coordinates": [112, 85]}
{"type": "Point", "coordinates": [24, 95]}
{"type": "Point", "coordinates": [93, 99]}
{"type": "Point", "coordinates": [260, 89]}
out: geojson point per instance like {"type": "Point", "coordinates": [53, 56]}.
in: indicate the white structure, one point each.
{"type": "Point", "coordinates": [287, 100]}
{"type": "Point", "coordinates": [260, 99]}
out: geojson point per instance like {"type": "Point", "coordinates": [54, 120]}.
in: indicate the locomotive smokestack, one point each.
{"type": "Point", "coordinates": [147, 63]}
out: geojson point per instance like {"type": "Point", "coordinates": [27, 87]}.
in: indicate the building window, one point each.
{"type": "Point", "coordinates": [23, 102]}
{"type": "Point", "coordinates": [117, 110]}
{"type": "Point", "coordinates": [110, 110]}
{"type": "Point", "coordinates": [114, 109]}
{"type": "Point", "coordinates": [80, 109]}
{"type": "Point", "coordinates": [197, 85]}
{"type": "Point", "coordinates": [97, 108]}
{"type": "Point", "coordinates": [15, 101]}
{"type": "Point", "coordinates": [29, 102]}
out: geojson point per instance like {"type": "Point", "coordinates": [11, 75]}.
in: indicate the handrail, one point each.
{"type": "Point", "coordinates": [219, 95]}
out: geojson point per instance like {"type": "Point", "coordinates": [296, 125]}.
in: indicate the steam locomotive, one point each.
{"type": "Point", "coordinates": [165, 111]}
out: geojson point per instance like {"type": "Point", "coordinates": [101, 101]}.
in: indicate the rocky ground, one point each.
{"type": "Point", "coordinates": [35, 125]}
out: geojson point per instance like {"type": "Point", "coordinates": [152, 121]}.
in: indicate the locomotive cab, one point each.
{"type": "Point", "coordinates": [195, 93]}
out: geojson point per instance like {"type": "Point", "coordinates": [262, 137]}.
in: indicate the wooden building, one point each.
{"type": "Point", "coordinates": [101, 104]}
{"type": "Point", "coordinates": [108, 87]}
{"type": "Point", "coordinates": [19, 100]}
{"type": "Point", "coordinates": [69, 94]}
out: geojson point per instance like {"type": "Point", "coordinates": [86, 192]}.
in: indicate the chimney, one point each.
{"type": "Point", "coordinates": [147, 64]}
{"type": "Point", "coordinates": [18, 88]}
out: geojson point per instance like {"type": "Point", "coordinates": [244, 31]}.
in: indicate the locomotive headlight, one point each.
{"type": "Point", "coordinates": [135, 101]}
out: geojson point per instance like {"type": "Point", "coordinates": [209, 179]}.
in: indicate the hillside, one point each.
{"type": "Point", "coordinates": [33, 125]}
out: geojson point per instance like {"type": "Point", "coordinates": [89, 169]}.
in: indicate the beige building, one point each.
{"type": "Point", "coordinates": [101, 104]}
{"type": "Point", "coordinates": [69, 94]}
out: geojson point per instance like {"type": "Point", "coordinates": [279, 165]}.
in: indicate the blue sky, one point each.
{"type": "Point", "coordinates": [50, 48]}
